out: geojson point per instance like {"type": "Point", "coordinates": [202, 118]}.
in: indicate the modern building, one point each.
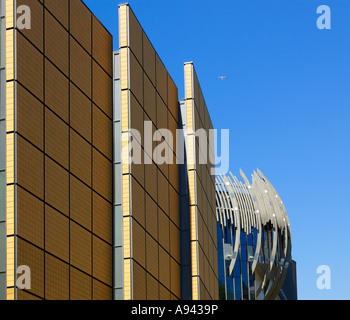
{"type": "Point", "coordinates": [254, 240]}
{"type": "Point", "coordinates": [57, 106]}
{"type": "Point", "coordinates": [107, 188]}
{"type": "Point", "coordinates": [199, 247]}
{"type": "Point", "coordinates": [289, 289]}
{"type": "Point", "coordinates": [88, 222]}
{"type": "Point", "coordinates": [147, 191]}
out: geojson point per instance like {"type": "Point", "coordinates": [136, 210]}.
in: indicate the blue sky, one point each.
{"type": "Point", "coordinates": [286, 101]}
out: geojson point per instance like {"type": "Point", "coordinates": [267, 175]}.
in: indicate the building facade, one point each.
{"type": "Point", "coordinates": [107, 185]}
{"type": "Point", "coordinates": [57, 108]}
{"type": "Point", "coordinates": [2, 153]}
{"type": "Point", "coordinates": [254, 238]}
{"type": "Point", "coordinates": [199, 246]}
{"type": "Point", "coordinates": [147, 189]}
{"type": "Point", "coordinates": [289, 290]}
{"type": "Point", "coordinates": [75, 208]}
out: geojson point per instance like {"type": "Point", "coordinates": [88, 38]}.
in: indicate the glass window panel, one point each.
{"type": "Point", "coordinates": [2, 7]}
{"type": "Point", "coordinates": [118, 294]}
{"type": "Point", "coordinates": [117, 183]}
{"type": "Point", "coordinates": [116, 66]}
{"type": "Point", "coordinates": [252, 287]}
{"type": "Point", "coordinates": [118, 226]}
{"type": "Point", "coordinates": [228, 238]}
{"type": "Point", "coordinates": [2, 196]}
{"type": "Point", "coordinates": [118, 267]}
{"type": "Point", "coordinates": [2, 145]}
{"type": "Point", "coordinates": [243, 247]}
{"type": "Point", "coordinates": [229, 287]}
{"type": "Point", "coordinates": [2, 246]}
{"type": "Point", "coordinates": [117, 142]}
{"type": "Point", "coordinates": [250, 239]}
{"type": "Point", "coordinates": [220, 241]}
{"type": "Point", "coordinates": [2, 94]}
{"type": "Point", "coordinates": [237, 268]}
{"type": "Point", "coordinates": [2, 43]}
{"type": "Point", "coordinates": [117, 101]}
{"type": "Point", "coordinates": [238, 289]}
{"type": "Point", "coordinates": [2, 286]}
{"type": "Point", "coordinates": [245, 279]}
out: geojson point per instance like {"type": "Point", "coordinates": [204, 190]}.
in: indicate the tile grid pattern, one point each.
{"type": "Point", "coordinates": [62, 130]}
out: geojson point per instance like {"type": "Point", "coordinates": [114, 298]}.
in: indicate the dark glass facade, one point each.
{"type": "Point", "coordinates": [289, 289]}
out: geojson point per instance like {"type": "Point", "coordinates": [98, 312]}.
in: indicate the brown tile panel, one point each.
{"type": "Point", "coordinates": [23, 295]}
{"type": "Point", "coordinates": [80, 23]}
{"type": "Point", "coordinates": [139, 281]}
{"type": "Point", "coordinates": [80, 285]}
{"type": "Point", "coordinates": [35, 33]}
{"type": "Point", "coordinates": [149, 59]}
{"type": "Point", "coordinates": [139, 243]}
{"type": "Point", "coordinates": [80, 112]}
{"type": "Point", "coordinates": [135, 31]}
{"type": "Point", "coordinates": [164, 267]}
{"type": "Point", "coordinates": [163, 193]}
{"type": "Point", "coordinates": [102, 90]}
{"type": "Point", "coordinates": [80, 202]}
{"type": "Point", "coordinates": [56, 234]}
{"type": "Point", "coordinates": [56, 91]}
{"type": "Point", "coordinates": [30, 167]}
{"type": "Point", "coordinates": [136, 114]}
{"type": "Point", "coordinates": [80, 67]}
{"type": "Point", "coordinates": [29, 66]}
{"type": "Point", "coordinates": [175, 280]}
{"type": "Point", "coordinates": [80, 248]}
{"type": "Point", "coordinates": [101, 291]}
{"type": "Point", "coordinates": [174, 239]}
{"type": "Point", "coordinates": [56, 186]}
{"type": "Point", "coordinates": [56, 279]}
{"type": "Point", "coordinates": [30, 117]}
{"type": "Point", "coordinates": [80, 157]}
{"type": "Point", "coordinates": [161, 79]}
{"type": "Point", "coordinates": [151, 182]}
{"type": "Point", "coordinates": [150, 99]}
{"type": "Point", "coordinates": [152, 288]}
{"type": "Point", "coordinates": [164, 293]}
{"type": "Point", "coordinates": [102, 175]}
{"type": "Point", "coordinates": [151, 217]}
{"type": "Point", "coordinates": [162, 114]}
{"type": "Point", "coordinates": [102, 128]}
{"type": "Point", "coordinates": [164, 230]}
{"type": "Point", "coordinates": [136, 78]}
{"type": "Point", "coordinates": [56, 43]}
{"type": "Point", "coordinates": [173, 103]}
{"type": "Point", "coordinates": [152, 256]}
{"type": "Point", "coordinates": [56, 138]}
{"type": "Point", "coordinates": [102, 251]}
{"type": "Point", "coordinates": [138, 202]}
{"type": "Point", "coordinates": [30, 217]}
{"type": "Point", "coordinates": [138, 172]}
{"type": "Point", "coordinates": [102, 218]}
{"type": "Point", "coordinates": [31, 256]}
{"type": "Point", "coordinates": [174, 206]}
{"type": "Point", "coordinates": [102, 42]}
{"type": "Point", "coordinates": [59, 9]}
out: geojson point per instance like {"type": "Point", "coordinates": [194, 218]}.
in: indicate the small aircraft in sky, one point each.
{"type": "Point", "coordinates": [222, 77]}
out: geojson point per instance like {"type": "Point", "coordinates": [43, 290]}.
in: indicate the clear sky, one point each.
{"type": "Point", "coordinates": [286, 101]}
